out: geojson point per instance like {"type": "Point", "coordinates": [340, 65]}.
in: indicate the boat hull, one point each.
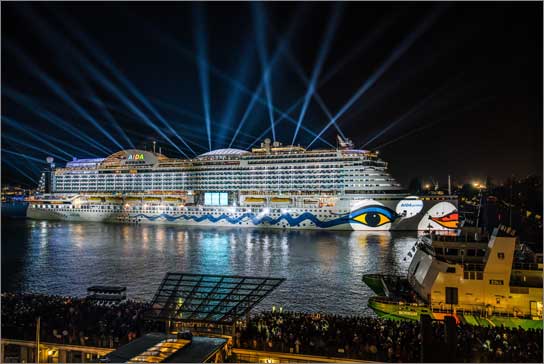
{"type": "Point", "coordinates": [362, 214]}
{"type": "Point", "coordinates": [404, 311]}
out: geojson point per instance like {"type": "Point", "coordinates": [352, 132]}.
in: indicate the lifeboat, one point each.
{"type": "Point", "coordinates": [94, 199]}
{"type": "Point", "coordinates": [131, 198]}
{"type": "Point", "coordinates": [152, 198]}
{"type": "Point", "coordinates": [311, 202]}
{"type": "Point", "coordinates": [255, 200]}
{"type": "Point", "coordinates": [114, 199]}
{"type": "Point", "coordinates": [172, 199]}
{"type": "Point", "coordinates": [281, 200]}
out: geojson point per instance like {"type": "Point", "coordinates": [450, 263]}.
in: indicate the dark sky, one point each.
{"type": "Point", "coordinates": [448, 88]}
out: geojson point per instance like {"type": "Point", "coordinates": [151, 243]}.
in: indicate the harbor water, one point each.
{"type": "Point", "coordinates": [323, 270]}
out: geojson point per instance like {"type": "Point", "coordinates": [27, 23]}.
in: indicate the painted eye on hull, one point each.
{"type": "Point", "coordinates": [373, 216]}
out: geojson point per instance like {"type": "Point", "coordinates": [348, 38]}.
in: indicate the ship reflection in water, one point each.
{"type": "Point", "coordinates": [323, 269]}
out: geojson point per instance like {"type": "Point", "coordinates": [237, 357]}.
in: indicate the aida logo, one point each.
{"type": "Point", "coordinates": [136, 157]}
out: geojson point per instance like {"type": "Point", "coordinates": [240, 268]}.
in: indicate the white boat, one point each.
{"type": "Point", "coordinates": [272, 186]}
{"type": "Point", "coordinates": [489, 280]}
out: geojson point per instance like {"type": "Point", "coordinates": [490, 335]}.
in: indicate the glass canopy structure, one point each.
{"type": "Point", "coordinates": [208, 298]}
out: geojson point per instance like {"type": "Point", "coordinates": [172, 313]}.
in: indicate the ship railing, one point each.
{"type": "Point", "coordinates": [477, 310]}
{"type": "Point", "coordinates": [382, 299]}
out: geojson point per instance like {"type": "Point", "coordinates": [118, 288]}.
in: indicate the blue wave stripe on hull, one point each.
{"type": "Point", "coordinates": [292, 221]}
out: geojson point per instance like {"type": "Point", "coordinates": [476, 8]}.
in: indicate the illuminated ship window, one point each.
{"type": "Point", "coordinates": [216, 198]}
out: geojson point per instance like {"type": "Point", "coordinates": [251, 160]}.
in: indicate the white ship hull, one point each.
{"type": "Point", "coordinates": [360, 214]}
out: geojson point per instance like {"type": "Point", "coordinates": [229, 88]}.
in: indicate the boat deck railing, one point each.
{"type": "Point", "coordinates": [466, 309]}
{"type": "Point", "coordinates": [477, 310]}
{"type": "Point", "coordinates": [463, 238]}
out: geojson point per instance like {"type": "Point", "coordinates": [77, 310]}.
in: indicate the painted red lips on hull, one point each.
{"type": "Point", "coordinates": [450, 221]}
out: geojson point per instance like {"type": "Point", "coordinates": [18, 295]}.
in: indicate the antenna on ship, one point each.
{"type": "Point", "coordinates": [344, 143]}
{"type": "Point", "coordinates": [154, 144]}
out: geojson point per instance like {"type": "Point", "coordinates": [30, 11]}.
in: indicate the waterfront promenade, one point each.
{"type": "Point", "coordinates": [73, 321]}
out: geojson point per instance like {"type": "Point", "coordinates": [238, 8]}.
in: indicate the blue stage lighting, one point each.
{"type": "Point", "coordinates": [192, 115]}
{"type": "Point", "coordinates": [103, 58]}
{"type": "Point", "coordinates": [16, 167]}
{"type": "Point", "coordinates": [280, 119]}
{"type": "Point", "coordinates": [234, 98]}
{"type": "Point", "coordinates": [395, 55]}
{"type": "Point", "coordinates": [31, 146]}
{"type": "Point", "coordinates": [300, 72]}
{"type": "Point", "coordinates": [129, 104]}
{"type": "Point", "coordinates": [32, 133]}
{"type": "Point", "coordinates": [448, 116]}
{"type": "Point", "coordinates": [24, 156]}
{"type": "Point", "coordinates": [53, 39]}
{"type": "Point", "coordinates": [259, 24]}
{"type": "Point", "coordinates": [329, 35]}
{"type": "Point", "coordinates": [55, 120]}
{"type": "Point", "coordinates": [59, 91]}
{"type": "Point", "coordinates": [102, 107]}
{"type": "Point", "coordinates": [224, 76]}
{"type": "Point", "coordinates": [406, 115]}
{"type": "Point", "coordinates": [189, 129]}
{"type": "Point", "coordinates": [201, 46]}
{"type": "Point", "coordinates": [268, 69]}
{"type": "Point", "coordinates": [372, 37]}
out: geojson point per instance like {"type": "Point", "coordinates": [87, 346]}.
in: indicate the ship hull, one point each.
{"type": "Point", "coordinates": [361, 214]}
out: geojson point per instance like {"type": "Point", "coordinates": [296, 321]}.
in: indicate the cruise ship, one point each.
{"type": "Point", "coordinates": [275, 186]}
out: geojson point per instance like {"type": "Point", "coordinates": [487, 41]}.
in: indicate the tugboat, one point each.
{"type": "Point", "coordinates": [478, 279]}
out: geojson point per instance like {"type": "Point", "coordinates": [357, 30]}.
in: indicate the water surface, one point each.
{"type": "Point", "coordinates": [323, 269]}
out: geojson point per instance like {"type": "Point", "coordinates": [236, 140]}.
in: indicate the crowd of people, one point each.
{"type": "Point", "coordinates": [330, 335]}
{"type": "Point", "coordinates": [499, 344]}
{"type": "Point", "coordinates": [72, 320]}
{"type": "Point", "coordinates": [78, 321]}
{"type": "Point", "coordinates": [369, 338]}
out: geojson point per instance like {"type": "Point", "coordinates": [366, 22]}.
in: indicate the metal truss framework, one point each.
{"type": "Point", "coordinates": [209, 298]}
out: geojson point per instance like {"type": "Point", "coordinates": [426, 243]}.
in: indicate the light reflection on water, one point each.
{"type": "Point", "coordinates": [323, 269]}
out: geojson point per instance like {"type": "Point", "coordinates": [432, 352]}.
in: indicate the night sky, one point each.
{"type": "Point", "coordinates": [442, 88]}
